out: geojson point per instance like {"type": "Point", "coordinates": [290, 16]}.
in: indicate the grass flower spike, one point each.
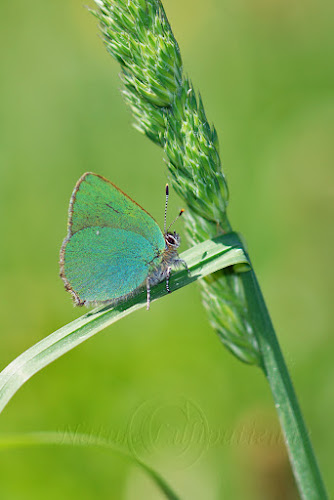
{"type": "Point", "coordinates": [165, 108]}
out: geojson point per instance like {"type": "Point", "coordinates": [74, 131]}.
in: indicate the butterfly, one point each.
{"type": "Point", "coordinates": [113, 247]}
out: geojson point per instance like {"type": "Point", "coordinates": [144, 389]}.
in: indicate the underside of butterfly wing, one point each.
{"type": "Point", "coordinates": [103, 264]}
{"type": "Point", "coordinates": [111, 245]}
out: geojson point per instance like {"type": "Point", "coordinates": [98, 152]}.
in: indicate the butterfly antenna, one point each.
{"type": "Point", "coordinates": [179, 215]}
{"type": "Point", "coordinates": [167, 194]}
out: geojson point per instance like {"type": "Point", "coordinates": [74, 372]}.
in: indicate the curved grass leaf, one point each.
{"type": "Point", "coordinates": [83, 440]}
{"type": "Point", "coordinates": [203, 259]}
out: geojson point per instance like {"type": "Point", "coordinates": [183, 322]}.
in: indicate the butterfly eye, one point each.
{"type": "Point", "coordinates": [172, 240]}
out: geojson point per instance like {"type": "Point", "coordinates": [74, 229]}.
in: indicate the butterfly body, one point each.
{"type": "Point", "coordinates": [113, 247]}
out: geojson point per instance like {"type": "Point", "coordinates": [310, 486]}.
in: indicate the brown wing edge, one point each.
{"type": "Point", "coordinates": [67, 286]}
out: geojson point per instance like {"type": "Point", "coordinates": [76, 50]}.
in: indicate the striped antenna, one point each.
{"type": "Point", "coordinates": [167, 194]}
{"type": "Point", "coordinates": [179, 215]}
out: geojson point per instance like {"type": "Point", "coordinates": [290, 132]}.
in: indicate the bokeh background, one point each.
{"type": "Point", "coordinates": [160, 383]}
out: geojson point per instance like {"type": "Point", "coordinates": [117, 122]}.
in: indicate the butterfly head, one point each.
{"type": "Point", "coordinates": [172, 240]}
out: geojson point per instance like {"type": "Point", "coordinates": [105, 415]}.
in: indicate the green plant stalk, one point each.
{"type": "Point", "coordinates": [301, 454]}
{"type": "Point", "coordinates": [166, 109]}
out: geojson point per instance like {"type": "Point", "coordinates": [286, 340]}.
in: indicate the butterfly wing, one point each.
{"type": "Point", "coordinates": [102, 264]}
{"type": "Point", "coordinates": [111, 242]}
{"type": "Point", "coordinates": [97, 202]}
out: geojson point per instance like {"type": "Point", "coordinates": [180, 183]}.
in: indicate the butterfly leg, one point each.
{"type": "Point", "coordinates": [181, 262]}
{"type": "Point", "coordinates": [168, 271]}
{"type": "Point", "coordinates": [184, 264]}
{"type": "Point", "coordinates": [148, 290]}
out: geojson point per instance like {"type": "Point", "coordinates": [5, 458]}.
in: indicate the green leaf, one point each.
{"type": "Point", "coordinates": [82, 440]}
{"type": "Point", "coordinates": [203, 259]}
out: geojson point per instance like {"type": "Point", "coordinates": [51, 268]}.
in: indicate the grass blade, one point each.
{"type": "Point", "coordinates": [202, 259]}
{"type": "Point", "coordinates": [50, 438]}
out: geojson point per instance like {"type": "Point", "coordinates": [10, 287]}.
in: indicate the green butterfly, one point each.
{"type": "Point", "coordinates": [113, 247]}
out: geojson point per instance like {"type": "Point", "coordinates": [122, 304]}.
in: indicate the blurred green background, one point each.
{"type": "Point", "coordinates": [160, 383]}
